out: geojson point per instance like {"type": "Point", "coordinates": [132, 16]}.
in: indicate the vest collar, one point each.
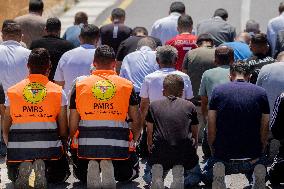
{"type": "Point", "coordinates": [104, 72]}
{"type": "Point", "coordinates": [38, 77]}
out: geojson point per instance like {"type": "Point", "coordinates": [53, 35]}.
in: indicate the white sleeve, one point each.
{"type": "Point", "coordinates": [144, 91]}
{"type": "Point", "coordinates": [59, 75]}
{"type": "Point", "coordinates": [188, 93]}
{"type": "Point", "coordinates": [64, 101]}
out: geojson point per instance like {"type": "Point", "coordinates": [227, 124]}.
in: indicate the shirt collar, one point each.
{"type": "Point", "coordinates": [145, 48]}
{"type": "Point", "coordinates": [11, 43]}
{"type": "Point", "coordinates": [104, 72]}
{"type": "Point", "coordinates": [175, 14]}
{"type": "Point", "coordinates": [218, 18]}
{"type": "Point", "coordinates": [88, 46]}
{"type": "Point", "coordinates": [37, 77]}
{"type": "Point", "coordinates": [167, 69]}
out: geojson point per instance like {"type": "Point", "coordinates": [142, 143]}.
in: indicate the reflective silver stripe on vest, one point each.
{"type": "Point", "coordinates": [103, 142]}
{"type": "Point", "coordinates": [35, 144]}
{"type": "Point", "coordinates": [34, 125]}
{"type": "Point", "coordinates": [103, 123]}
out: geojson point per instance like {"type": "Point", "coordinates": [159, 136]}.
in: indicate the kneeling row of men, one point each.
{"type": "Point", "coordinates": [105, 123]}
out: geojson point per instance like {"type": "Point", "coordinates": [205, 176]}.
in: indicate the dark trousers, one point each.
{"type": "Point", "coordinates": [56, 171]}
{"type": "Point", "coordinates": [124, 170]}
{"type": "Point", "coordinates": [276, 173]}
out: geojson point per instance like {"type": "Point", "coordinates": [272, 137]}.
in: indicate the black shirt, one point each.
{"type": "Point", "coordinates": [130, 45]}
{"type": "Point", "coordinates": [2, 94]}
{"type": "Point", "coordinates": [56, 48]}
{"type": "Point", "coordinates": [256, 62]}
{"type": "Point", "coordinates": [172, 119]}
{"type": "Point", "coordinates": [113, 34]}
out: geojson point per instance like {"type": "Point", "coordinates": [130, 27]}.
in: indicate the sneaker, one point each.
{"type": "Point", "coordinates": [178, 177]}
{"type": "Point", "coordinates": [25, 169]}
{"type": "Point", "coordinates": [157, 177]}
{"type": "Point", "coordinates": [93, 176]}
{"type": "Point", "coordinates": [108, 180]}
{"type": "Point", "coordinates": [219, 176]}
{"type": "Point", "coordinates": [259, 174]}
{"type": "Point", "coordinates": [39, 170]}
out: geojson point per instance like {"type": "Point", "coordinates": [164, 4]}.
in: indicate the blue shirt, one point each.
{"type": "Point", "coordinates": [72, 34]}
{"type": "Point", "coordinates": [241, 50]}
{"type": "Point", "coordinates": [239, 107]}
{"type": "Point", "coordinates": [273, 27]}
{"type": "Point", "coordinates": [166, 28]}
{"type": "Point", "coordinates": [137, 65]}
{"type": "Point", "coordinates": [13, 63]}
{"type": "Point", "coordinates": [74, 63]}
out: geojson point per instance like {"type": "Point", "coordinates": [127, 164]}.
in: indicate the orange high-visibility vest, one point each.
{"type": "Point", "coordinates": [34, 106]}
{"type": "Point", "coordinates": [102, 101]}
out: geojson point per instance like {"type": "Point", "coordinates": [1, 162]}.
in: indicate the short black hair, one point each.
{"type": "Point", "coordinates": [81, 18]}
{"type": "Point", "coordinates": [89, 32]}
{"type": "Point", "coordinates": [39, 61]}
{"type": "Point", "coordinates": [259, 39]}
{"type": "Point", "coordinates": [177, 6]}
{"type": "Point", "coordinates": [53, 25]}
{"type": "Point", "coordinates": [240, 67]}
{"type": "Point", "coordinates": [185, 22]}
{"type": "Point", "coordinates": [36, 5]}
{"type": "Point", "coordinates": [8, 21]}
{"type": "Point", "coordinates": [223, 13]}
{"type": "Point", "coordinates": [204, 37]}
{"type": "Point", "coordinates": [139, 29]}
{"type": "Point", "coordinates": [224, 55]}
{"type": "Point", "coordinates": [11, 29]}
{"type": "Point", "coordinates": [281, 7]}
{"type": "Point", "coordinates": [118, 13]}
{"type": "Point", "coordinates": [104, 54]}
{"type": "Point", "coordinates": [173, 84]}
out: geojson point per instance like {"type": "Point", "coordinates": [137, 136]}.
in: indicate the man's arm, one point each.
{"type": "Point", "coordinates": [212, 114]}
{"type": "Point", "coordinates": [118, 66]}
{"type": "Point", "coordinates": [63, 123]}
{"type": "Point", "coordinates": [7, 124]}
{"type": "Point", "coordinates": [149, 136]}
{"type": "Point", "coordinates": [195, 131]}
{"type": "Point", "coordinates": [204, 107]}
{"type": "Point", "coordinates": [74, 120]}
{"type": "Point", "coordinates": [144, 106]}
{"type": "Point", "coordinates": [264, 130]}
{"type": "Point", "coordinates": [134, 115]}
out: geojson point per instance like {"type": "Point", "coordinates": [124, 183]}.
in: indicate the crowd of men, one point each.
{"type": "Point", "coordinates": [101, 98]}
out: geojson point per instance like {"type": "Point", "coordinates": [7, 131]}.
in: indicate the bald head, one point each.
{"type": "Point", "coordinates": [224, 55]}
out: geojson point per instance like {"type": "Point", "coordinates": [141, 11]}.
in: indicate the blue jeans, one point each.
{"type": "Point", "coordinates": [192, 177]}
{"type": "Point", "coordinates": [231, 167]}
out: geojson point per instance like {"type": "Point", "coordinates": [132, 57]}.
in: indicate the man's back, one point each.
{"type": "Point", "coordinates": [196, 62]}
{"type": "Point", "coordinates": [113, 34]}
{"type": "Point", "coordinates": [241, 50]}
{"type": "Point", "coordinates": [152, 86]}
{"type": "Point", "coordinates": [183, 43]}
{"type": "Point", "coordinates": [56, 48]}
{"type": "Point", "coordinates": [219, 29]}
{"type": "Point", "coordinates": [212, 78]}
{"type": "Point", "coordinates": [32, 26]}
{"type": "Point", "coordinates": [165, 28]}
{"type": "Point", "coordinates": [271, 78]}
{"type": "Point", "coordinates": [13, 63]}
{"type": "Point", "coordinates": [274, 26]}
{"type": "Point", "coordinates": [137, 65]}
{"type": "Point", "coordinates": [72, 34]}
{"type": "Point", "coordinates": [74, 63]}
{"type": "Point", "coordinates": [239, 106]}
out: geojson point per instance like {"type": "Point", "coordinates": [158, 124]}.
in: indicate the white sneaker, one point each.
{"type": "Point", "coordinates": [259, 174]}
{"type": "Point", "coordinates": [39, 170]}
{"type": "Point", "coordinates": [178, 177]}
{"type": "Point", "coordinates": [93, 175]}
{"type": "Point", "coordinates": [108, 180]}
{"type": "Point", "coordinates": [157, 177]}
{"type": "Point", "coordinates": [219, 176]}
{"type": "Point", "coordinates": [25, 169]}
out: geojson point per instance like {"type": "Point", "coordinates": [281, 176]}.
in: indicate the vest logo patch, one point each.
{"type": "Point", "coordinates": [34, 93]}
{"type": "Point", "coordinates": [104, 90]}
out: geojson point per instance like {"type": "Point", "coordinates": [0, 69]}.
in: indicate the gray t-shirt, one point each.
{"type": "Point", "coordinates": [271, 78]}
{"type": "Point", "coordinates": [212, 78]}
{"type": "Point", "coordinates": [196, 62]}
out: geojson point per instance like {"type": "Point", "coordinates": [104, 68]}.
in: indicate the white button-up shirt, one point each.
{"type": "Point", "coordinates": [13, 63]}
{"type": "Point", "coordinates": [74, 63]}
{"type": "Point", "coordinates": [137, 65]}
{"type": "Point", "coordinates": [166, 28]}
{"type": "Point", "coordinates": [152, 86]}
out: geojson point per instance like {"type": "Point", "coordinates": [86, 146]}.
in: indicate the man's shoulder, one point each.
{"type": "Point", "coordinates": [30, 17]}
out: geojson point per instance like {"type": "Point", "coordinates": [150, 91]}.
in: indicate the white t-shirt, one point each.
{"type": "Point", "coordinates": [152, 86]}
{"type": "Point", "coordinates": [74, 63]}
